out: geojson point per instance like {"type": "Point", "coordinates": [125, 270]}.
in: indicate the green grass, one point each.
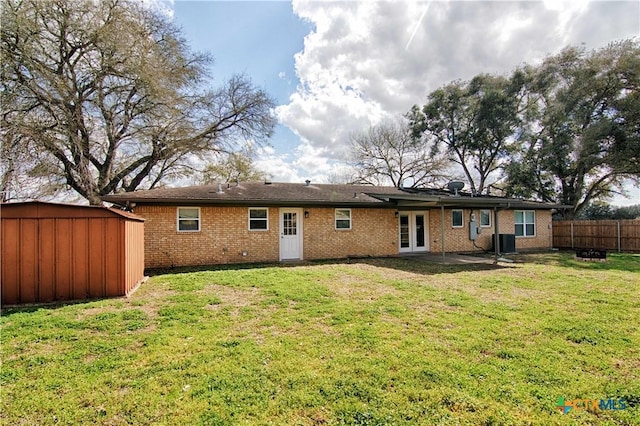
{"type": "Point", "coordinates": [366, 342]}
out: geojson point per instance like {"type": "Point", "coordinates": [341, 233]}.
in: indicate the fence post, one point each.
{"type": "Point", "coordinates": [572, 235]}
{"type": "Point", "coordinates": [619, 247]}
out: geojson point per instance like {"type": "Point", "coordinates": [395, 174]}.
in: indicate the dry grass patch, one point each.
{"type": "Point", "coordinates": [358, 283]}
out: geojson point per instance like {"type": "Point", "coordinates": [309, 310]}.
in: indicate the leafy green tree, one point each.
{"type": "Point", "coordinates": [106, 96]}
{"type": "Point", "coordinates": [598, 210]}
{"type": "Point", "coordinates": [627, 212]}
{"type": "Point", "coordinates": [473, 122]}
{"type": "Point", "coordinates": [389, 153]}
{"type": "Point", "coordinates": [581, 139]}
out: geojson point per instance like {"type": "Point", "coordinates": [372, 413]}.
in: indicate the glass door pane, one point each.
{"type": "Point", "coordinates": [419, 230]}
{"type": "Point", "coordinates": [289, 224]}
{"type": "Point", "coordinates": [404, 231]}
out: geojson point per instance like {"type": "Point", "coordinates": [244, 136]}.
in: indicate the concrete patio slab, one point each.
{"type": "Point", "coordinates": [450, 258]}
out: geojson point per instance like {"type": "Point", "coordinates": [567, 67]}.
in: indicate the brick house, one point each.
{"type": "Point", "coordinates": [264, 221]}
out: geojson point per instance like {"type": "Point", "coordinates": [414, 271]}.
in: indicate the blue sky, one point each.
{"type": "Point", "coordinates": [256, 38]}
{"type": "Point", "coordinates": [336, 68]}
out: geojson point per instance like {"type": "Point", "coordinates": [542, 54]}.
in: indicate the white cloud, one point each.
{"type": "Point", "coordinates": [277, 167]}
{"type": "Point", "coordinates": [306, 163]}
{"type": "Point", "coordinates": [630, 197]}
{"type": "Point", "coordinates": [366, 61]}
{"type": "Point", "coordinates": [165, 7]}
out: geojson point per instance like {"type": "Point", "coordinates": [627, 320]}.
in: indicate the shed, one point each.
{"type": "Point", "coordinates": [55, 252]}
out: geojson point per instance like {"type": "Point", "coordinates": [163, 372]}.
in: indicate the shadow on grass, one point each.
{"type": "Point", "coordinates": [34, 307]}
{"type": "Point", "coordinates": [415, 265]}
{"type": "Point", "coordinates": [628, 262]}
{"type": "Point", "coordinates": [407, 264]}
{"type": "Point", "coordinates": [616, 261]}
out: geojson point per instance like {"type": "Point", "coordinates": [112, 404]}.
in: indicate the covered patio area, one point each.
{"type": "Point", "coordinates": [450, 258]}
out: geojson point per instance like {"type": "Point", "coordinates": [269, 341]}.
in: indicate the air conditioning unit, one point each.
{"type": "Point", "coordinates": [506, 243]}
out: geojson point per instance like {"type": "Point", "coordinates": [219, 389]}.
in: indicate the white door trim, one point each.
{"type": "Point", "coordinates": [291, 245]}
{"type": "Point", "coordinates": [413, 231]}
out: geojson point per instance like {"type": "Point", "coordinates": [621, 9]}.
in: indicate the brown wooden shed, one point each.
{"type": "Point", "coordinates": [55, 252]}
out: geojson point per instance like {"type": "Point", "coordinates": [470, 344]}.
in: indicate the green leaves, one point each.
{"type": "Point", "coordinates": [583, 145]}
{"type": "Point", "coordinates": [564, 131]}
{"type": "Point", "coordinates": [473, 121]}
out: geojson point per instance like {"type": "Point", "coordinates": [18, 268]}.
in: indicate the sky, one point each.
{"type": "Point", "coordinates": [336, 68]}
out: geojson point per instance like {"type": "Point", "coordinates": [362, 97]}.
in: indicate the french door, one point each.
{"type": "Point", "coordinates": [413, 231]}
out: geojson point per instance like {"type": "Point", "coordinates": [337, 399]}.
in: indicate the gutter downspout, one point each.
{"type": "Point", "coordinates": [496, 241]}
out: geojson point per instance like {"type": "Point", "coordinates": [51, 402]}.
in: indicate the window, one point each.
{"type": "Point", "coordinates": [188, 219]}
{"type": "Point", "coordinates": [343, 218]}
{"type": "Point", "coordinates": [259, 219]}
{"type": "Point", "coordinates": [525, 223]}
{"type": "Point", "coordinates": [456, 218]}
{"type": "Point", "coordinates": [485, 218]}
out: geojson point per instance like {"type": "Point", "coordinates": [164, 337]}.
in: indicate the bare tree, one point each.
{"type": "Point", "coordinates": [389, 153]}
{"type": "Point", "coordinates": [232, 167]}
{"type": "Point", "coordinates": [107, 96]}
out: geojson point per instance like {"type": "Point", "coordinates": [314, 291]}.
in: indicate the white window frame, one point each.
{"type": "Point", "coordinates": [461, 218]}
{"type": "Point", "coordinates": [198, 219]}
{"type": "Point", "coordinates": [335, 222]}
{"type": "Point", "coordinates": [249, 219]}
{"type": "Point", "coordinates": [488, 212]}
{"type": "Point", "coordinates": [525, 223]}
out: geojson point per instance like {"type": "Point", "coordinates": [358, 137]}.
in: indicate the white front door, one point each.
{"type": "Point", "coordinates": [290, 234]}
{"type": "Point", "coordinates": [414, 231]}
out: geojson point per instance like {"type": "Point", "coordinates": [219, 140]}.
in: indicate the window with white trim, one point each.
{"type": "Point", "coordinates": [457, 219]}
{"type": "Point", "coordinates": [258, 219]}
{"type": "Point", "coordinates": [343, 218]}
{"type": "Point", "coordinates": [525, 221]}
{"type": "Point", "coordinates": [485, 218]}
{"type": "Point", "coordinates": [188, 219]}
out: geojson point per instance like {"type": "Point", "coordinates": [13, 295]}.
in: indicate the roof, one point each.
{"type": "Point", "coordinates": [259, 193]}
{"type": "Point", "coordinates": [302, 194]}
{"type": "Point", "coordinates": [44, 209]}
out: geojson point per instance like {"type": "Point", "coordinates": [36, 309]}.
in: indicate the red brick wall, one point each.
{"type": "Point", "coordinates": [374, 232]}
{"type": "Point", "coordinates": [457, 239]}
{"type": "Point", "coordinates": [224, 235]}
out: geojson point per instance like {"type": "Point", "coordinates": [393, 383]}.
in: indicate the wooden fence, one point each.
{"type": "Point", "coordinates": [615, 235]}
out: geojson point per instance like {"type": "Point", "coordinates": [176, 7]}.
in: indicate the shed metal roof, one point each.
{"type": "Point", "coordinates": [45, 209]}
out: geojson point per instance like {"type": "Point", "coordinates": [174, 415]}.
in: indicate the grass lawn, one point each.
{"type": "Point", "coordinates": [366, 342]}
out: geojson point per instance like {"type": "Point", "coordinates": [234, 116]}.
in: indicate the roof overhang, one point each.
{"type": "Point", "coordinates": [247, 202]}
{"type": "Point", "coordinates": [373, 200]}
{"type": "Point", "coordinates": [432, 201]}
